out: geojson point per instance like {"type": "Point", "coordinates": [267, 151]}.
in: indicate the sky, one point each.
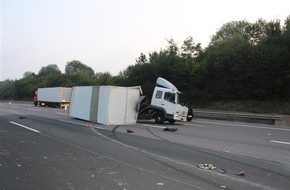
{"type": "Point", "coordinates": [109, 35]}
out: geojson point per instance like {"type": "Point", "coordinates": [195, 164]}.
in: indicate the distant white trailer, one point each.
{"type": "Point", "coordinates": [108, 105]}
{"type": "Point", "coordinates": [52, 96]}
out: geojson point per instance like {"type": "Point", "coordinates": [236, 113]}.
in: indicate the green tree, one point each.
{"type": "Point", "coordinates": [29, 84]}
{"type": "Point", "coordinates": [7, 90]}
{"type": "Point", "coordinates": [49, 76]}
{"type": "Point", "coordinates": [142, 59]}
{"type": "Point", "coordinates": [103, 78]}
{"type": "Point", "coordinates": [139, 74]}
{"type": "Point", "coordinates": [77, 67]}
{"type": "Point", "coordinates": [227, 69]}
{"type": "Point", "coordinates": [253, 32]}
{"type": "Point", "coordinates": [274, 62]}
{"type": "Point", "coordinates": [190, 50]}
{"type": "Point", "coordinates": [28, 74]}
{"type": "Point", "coordinates": [78, 73]}
{"type": "Point", "coordinates": [230, 30]}
{"type": "Point", "coordinates": [51, 69]}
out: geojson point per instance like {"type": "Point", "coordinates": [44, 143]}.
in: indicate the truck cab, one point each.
{"type": "Point", "coordinates": [164, 104]}
{"type": "Point", "coordinates": [165, 98]}
{"type": "Point", "coordinates": [167, 101]}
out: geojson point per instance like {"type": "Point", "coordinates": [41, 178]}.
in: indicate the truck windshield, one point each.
{"type": "Point", "coordinates": [170, 97]}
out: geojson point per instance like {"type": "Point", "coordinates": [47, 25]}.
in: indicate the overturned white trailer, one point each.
{"type": "Point", "coordinates": [108, 105]}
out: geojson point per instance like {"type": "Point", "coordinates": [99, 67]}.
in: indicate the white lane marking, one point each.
{"type": "Point", "coordinates": [76, 123]}
{"type": "Point", "coordinates": [60, 113]}
{"type": "Point", "coordinates": [194, 125]}
{"type": "Point", "coordinates": [23, 126]}
{"type": "Point", "coordinates": [33, 109]}
{"type": "Point", "coordinates": [16, 112]}
{"type": "Point", "coordinates": [14, 107]}
{"type": "Point", "coordinates": [280, 142]}
{"type": "Point", "coordinates": [153, 126]}
{"type": "Point", "coordinates": [97, 127]}
{"type": "Point", "coordinates": [86, 125]}
{"type": "Point", "coordinates": [240, 125]}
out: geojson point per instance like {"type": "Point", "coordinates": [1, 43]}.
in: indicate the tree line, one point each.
{"type": "Point", "coordinates": [243, 61]}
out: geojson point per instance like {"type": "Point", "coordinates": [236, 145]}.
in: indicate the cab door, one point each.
{"type": "Point", "coordinates": [165, 99]}
{"type": "Point", "coordinates": [169, 102]}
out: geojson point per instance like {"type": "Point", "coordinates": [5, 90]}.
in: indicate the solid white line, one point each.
{"type": "Point", "coordinates": [95, 127]}
{"type": "Point", "coordinates": [60, 113]}
{"type": "Point", "coordinates": [33, 109]}
{"type": "Point", "coordinates": [17, 112]}
{"type": "Point", "coordinates": [76, 123]}
{"type": "Point", "coordinates": [14, 107]}
{"type": "Point", "coordinates": [153, 126]}
{"type": "Point", "coordinates": [24, 126]}
{"type": "Point", "coordinates": [280, 142]}
{"type": "Point", "coordinates": [193, 125]}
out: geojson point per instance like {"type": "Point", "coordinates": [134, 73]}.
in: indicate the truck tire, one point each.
{"type": "Point", "coordinates": [190, 114]}
{"type": "Point", "coordinates": [159, 118]}
{"type": "Point", "coordinates": [171, 121]}
{"type": "Point", "coordinates": [189, 118]}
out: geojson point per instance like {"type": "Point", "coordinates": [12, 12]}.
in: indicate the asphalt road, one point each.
{"type": "Point", "coordinates": [42, 148]}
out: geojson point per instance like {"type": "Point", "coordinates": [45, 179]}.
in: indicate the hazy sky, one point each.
{"type": "Point", "coordinates": [108, 35]}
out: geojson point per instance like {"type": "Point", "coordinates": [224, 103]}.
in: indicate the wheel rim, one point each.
{"type": "Point", "coordinates": [159, 118]}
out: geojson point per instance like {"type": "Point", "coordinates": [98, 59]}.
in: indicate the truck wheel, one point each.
{"type": "Point", "coordinates": [159, 118]}
{"type": "Point", "coordinates": [171, 121]}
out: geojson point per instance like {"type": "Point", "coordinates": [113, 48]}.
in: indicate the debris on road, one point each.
{"type": "Point", "coordinates": [241, 173]}
{"type": "Point", "coordinates": [112, 173]}
{"type": "Point", "coordinates": [223, 171]}
{"type": "Point", "coordinates": [21, 117]}
{"type": "Point", "coordinates": [129, 131]}
{"type": "Point", "coordinates": [170, 129]}
{"type": "Point", "coordinates": [206, 166]}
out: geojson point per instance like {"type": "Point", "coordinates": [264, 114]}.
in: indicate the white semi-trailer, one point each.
{"type": "Point", "coordinates": [53, 96]}
{"type": "Point", "coordinates": [108, 105]}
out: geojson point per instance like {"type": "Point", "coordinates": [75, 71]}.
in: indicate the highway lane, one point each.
{"type": "Point", "coordinates": [73, 154]}
{"type": "Point", "coordinates": [68, 156]}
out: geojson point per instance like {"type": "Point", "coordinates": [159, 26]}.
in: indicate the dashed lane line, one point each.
{"type": "Point", "coordinates": [280, 142]}
{"type": "Point", "coordinates": [33, 109]}
{"type": "Point", "coordinates": [25, 127]}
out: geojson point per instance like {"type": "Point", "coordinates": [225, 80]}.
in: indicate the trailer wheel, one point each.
{"type": "Point", "coordinates": [159, 118]}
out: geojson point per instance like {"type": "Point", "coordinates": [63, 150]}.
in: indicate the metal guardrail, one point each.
{"type": "Point", "coordinates": [233, 116]}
